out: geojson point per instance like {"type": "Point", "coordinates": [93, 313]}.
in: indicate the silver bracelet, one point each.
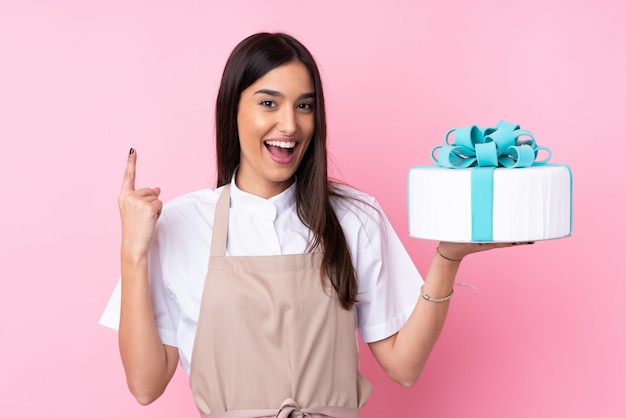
{"type": "Point", "coordinates": [432, 299]}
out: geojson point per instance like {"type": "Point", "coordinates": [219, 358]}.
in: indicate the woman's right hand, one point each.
{"type": "Point", "coordinates": [139, 211]}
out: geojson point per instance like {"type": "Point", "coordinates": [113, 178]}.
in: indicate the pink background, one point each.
{"type": "Point", "coordinates": [82, 81]}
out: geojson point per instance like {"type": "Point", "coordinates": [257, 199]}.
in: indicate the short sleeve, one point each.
{"type": "Point", "coordinates": [164, 303]}
{"type": "Point", "coordinates": [388, 280]}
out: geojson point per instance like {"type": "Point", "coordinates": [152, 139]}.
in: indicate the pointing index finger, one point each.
{"type": "Point", "coordinates": [129, 174]}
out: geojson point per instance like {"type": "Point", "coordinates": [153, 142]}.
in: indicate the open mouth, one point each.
{"type": "Point", "coordinates": [280, 149]}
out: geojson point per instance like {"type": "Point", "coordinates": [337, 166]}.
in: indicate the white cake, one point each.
{"type": "Point", "coordinates": [527, 204]}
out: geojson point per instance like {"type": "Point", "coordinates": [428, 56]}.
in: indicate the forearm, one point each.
{"type": "Point", "coordinates": [404, 354]}
{"type": "Point", "coordinates": [148, 369]}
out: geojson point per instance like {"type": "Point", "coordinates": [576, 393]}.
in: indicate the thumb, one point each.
{"type": "Point", "coordinates": [156, 191]}
{"type": "Point", "coordinates": [129, 175]}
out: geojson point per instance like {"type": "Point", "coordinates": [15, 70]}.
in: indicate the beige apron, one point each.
{"type": "Point", "coordinates": [270, 342]}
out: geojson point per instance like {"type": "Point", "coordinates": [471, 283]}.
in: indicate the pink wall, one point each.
{"type": "Point", "coordinates": [82, 81]}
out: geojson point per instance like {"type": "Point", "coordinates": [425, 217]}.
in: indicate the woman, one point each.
{"type": "Point", "coordinates": [294, 262]}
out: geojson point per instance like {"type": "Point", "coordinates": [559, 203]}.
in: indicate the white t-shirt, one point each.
{"type": "Point", "coordinates": [388, 280]}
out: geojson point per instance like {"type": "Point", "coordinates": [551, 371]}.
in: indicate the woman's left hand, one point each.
{"type": "Point", "coordinates": [459, 250]}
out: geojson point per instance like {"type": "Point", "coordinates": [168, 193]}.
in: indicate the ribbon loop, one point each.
{"type": "Point", "coordinates": [487, 154]}
{"type": "Point", "coordinates": [453, 156]}
{"type": "Point", "coordinates": [466, 137]}
{"type": "Point", "coordinates": [545, 160]}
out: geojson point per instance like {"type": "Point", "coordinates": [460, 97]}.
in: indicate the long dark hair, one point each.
{"type": "Point", "coordinates": [251, 59]}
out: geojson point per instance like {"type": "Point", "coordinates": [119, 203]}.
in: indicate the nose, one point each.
{"type": "Point", "coordinates": [287, 122]}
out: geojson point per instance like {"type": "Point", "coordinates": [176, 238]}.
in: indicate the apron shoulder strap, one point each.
{"type": "Point", "coordinates": [220, 223]}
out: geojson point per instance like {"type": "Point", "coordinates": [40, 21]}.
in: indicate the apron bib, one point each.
{"type": "Point", "coordinates": [271, 342]}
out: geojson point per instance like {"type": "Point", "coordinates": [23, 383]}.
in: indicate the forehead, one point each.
{"type": "Point", "coordinates": [293, 77]}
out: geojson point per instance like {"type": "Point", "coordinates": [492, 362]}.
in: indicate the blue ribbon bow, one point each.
{"type": "Point", "coordinates": [502, 146]}
{"type": "Point", "coordinates": [485, 149]}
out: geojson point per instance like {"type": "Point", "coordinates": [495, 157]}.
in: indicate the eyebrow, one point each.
{"type": "Point", "coordinates": [275, 93]}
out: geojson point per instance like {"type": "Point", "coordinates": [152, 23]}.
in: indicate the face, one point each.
{"type": "Point", "coordinates": [276, 120]}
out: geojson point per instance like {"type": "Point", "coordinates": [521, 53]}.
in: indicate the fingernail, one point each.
{"type": "Point", "coordinates": [131, 152]}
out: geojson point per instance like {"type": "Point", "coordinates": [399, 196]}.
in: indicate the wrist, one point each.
{"type": "Point", "coordinates": [133, 256]}
{"type": "Point", "coordinates": [453, 258]}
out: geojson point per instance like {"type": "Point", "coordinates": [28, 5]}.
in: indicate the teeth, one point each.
{"type": "Point", "coordinates": [281, 144]}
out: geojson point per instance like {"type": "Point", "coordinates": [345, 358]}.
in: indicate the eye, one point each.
{"type": "Point", "coordinates": [268, 103]}
{"type": "Point", "coordinates": [305, 106]}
